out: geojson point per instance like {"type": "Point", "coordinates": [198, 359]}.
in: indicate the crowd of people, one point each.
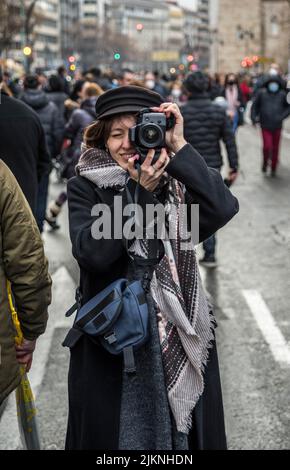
{"type": "Point", "coordinates": [81, 128]}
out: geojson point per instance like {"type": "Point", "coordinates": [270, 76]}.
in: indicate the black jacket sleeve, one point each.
{"type": "Point", "coordinates": [99, 255]}
{"type": "Point", "coordinates": [255, 110]}
{"type": "Point", "coordinates": [205, 187]}
{"type": "Point", "coordinates": [44, 161]}
{"type": "Point", "coordinates": [286, 112]}
{"type": "Point", "coordinates": [230, 143]}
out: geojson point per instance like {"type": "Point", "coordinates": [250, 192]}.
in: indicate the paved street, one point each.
{"type": "Point", "coordinates": [250, 290]}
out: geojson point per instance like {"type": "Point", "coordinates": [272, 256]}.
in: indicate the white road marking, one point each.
{"type": "Point", "coordinates": [270, 331]}
{"type": "Point", "coordinates": [63, 288]}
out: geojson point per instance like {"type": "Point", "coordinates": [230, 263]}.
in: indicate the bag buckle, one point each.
{"type": "Point", "coordinates": [110, 337]}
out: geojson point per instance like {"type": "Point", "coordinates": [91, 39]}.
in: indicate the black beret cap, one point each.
{"type": "Point", "coordinates": [126, 99]}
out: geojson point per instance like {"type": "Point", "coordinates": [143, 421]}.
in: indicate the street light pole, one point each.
{"type": "Point", "coordinates": [27, 15]}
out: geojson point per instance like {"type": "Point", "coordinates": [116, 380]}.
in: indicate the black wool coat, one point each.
{"type": "Point", "coordinates": [95, 376]}
{"type": "Point", "coordinates": [205, 124]}
{"type": "Point", "coordinates": [23, 145]}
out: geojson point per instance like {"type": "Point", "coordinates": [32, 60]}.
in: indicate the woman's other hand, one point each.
{"type": "Point", "coordinates": [174, 137]}
{"type": "Point", "coordinates": [150, 174]}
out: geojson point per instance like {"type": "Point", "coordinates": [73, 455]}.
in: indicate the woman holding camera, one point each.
{"type": "Point", "coordinates": [174, 400]}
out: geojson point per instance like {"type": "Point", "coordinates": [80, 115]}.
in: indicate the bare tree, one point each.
{"type": "Point", "coordinates": [18, 17]}
{"type": "Point", "coordinates": [10, 24]}
{"type": "Point", "coordinates": [98, 45]}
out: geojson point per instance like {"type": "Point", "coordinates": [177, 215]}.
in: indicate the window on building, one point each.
{"type": "Point", "coordinates": [274, 25]}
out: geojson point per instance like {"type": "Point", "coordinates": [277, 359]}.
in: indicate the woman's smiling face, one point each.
{"type": "Point", "coordinates": [118, 143]}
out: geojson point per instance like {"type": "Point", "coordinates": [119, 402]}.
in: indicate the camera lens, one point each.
{"type": "Point", "coordinates": [151, 135]}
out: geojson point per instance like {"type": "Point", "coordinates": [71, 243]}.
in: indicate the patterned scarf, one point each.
{"type": "Point", "coordinates": [185, 322]}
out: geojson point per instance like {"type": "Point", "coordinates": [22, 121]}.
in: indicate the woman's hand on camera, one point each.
{"type": "Point", "coordinates": [150, 174]}
{"type": "Point", "coordinates": [174, 137]}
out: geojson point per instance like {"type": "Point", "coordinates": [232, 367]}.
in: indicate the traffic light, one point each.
{"type": "Point", "coordinates": [117, 56]}
{"type": "Point", "coordinates": [27, 50]}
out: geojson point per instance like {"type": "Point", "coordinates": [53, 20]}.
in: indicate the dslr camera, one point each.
{"type": "Point", "coordinates": [149, 133]}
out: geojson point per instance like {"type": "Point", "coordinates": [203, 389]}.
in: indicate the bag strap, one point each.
{"type": "Point", "coordinates": [154, 255]}
{"type": "Point", "coordinates": [77, 305]}
{"type": "Point", "coordinates": [129, 360]}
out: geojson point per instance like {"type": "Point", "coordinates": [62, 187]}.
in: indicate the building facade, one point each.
{"type": "Point", "coordinates": [143, 24]}
{"type": "Point", "coordinates": [69, 27]}
{"type": "Point", "coordinates": [241, 30]}
{"type": "Point", "coordinates": [46, 35]}
{"type": "Point", "coordinates": [203, 45]}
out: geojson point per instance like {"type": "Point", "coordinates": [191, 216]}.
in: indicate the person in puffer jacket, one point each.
{"type": "Point", "coordinates": [52, 125]}
{"type": "Point", "coordinates": [23, 264]}
{"type": "Point", "coordinates": [205, 124]}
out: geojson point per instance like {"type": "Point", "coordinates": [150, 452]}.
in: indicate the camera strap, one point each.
{"type": "Point", "coordinates": [154, 256]}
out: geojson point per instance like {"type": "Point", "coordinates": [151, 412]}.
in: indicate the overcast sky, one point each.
{"type": "Point", "coordinates": [188, 3]}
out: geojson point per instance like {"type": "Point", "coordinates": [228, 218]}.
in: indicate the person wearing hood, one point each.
{"type": "Point", "coordinates": [49, 116]}
{"type": "Point", "coordinates": [55, 93]}
{"type": "Point", "coordinates": [270, 108]}
{"type": "Point", "coordinates": [205, 124]}
{"type": "Point", "coordinates": [47, 111]}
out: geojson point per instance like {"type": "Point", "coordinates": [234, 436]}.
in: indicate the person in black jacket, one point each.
{"type": "Point", "coordinates": [56, 95]}
{"type": "Point", "coordinates": [205, 125]}
{"type": "Point", "coordinates": [270, 108]}
{"type": "Point", "coordinates": [174, 400]}
{"type": "Point", "coordinates": [23, 145]}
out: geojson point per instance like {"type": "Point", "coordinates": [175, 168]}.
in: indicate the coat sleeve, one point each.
{"type": "Point", "coordinates": [286, 112]}
{"type": "Point", "coordinates": [255, 110]}
{"type": "Point", "coordinates": [93, 254]}
{"type": "Point", "coordinates": [25, 265]}
{"type": "Point", "coordinates": [44, 161]}
{"type": "Point", "coordinates": [205, 187]}
{"type": "Point", "coordinates": [57, 131]}
{"type": "Point", "coordinates": [230, 143]}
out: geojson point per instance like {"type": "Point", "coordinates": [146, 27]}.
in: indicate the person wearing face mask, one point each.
{"type": "Point", "coordinates": [270, 107]}
{"type": "Point", "coordinates": [151, 83]}
{"type": "Point", "coordinates": [234, 97]}
{"type": "Point", "coordinates": [176, 92]}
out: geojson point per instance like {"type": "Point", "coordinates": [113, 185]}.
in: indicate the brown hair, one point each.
{"type": "Point", "coordinates": [97, 134]}
{"type": "Point", "coordinates": [93, 89]}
